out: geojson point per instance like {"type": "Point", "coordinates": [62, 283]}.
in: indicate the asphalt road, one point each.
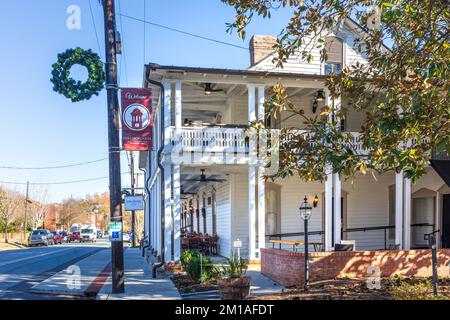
{"type": "Point", "coordinates": [22, 269]}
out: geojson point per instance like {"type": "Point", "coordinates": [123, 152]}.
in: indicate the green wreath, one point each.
{"type": "Point", "coordinates": [70, 88]}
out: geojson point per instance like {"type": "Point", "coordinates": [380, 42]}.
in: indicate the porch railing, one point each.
{"type": "Point", "coordinates": [210, 139]}
{"type": "Point", "coordinates": [384, 229]}
{"type": "Point", "coordinates": [233, 139]}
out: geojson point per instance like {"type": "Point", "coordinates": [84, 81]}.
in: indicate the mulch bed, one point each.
{"type": "Point", "coordinates": [346, 289]}
{"type": "Point", "coordinates": [184, 284]}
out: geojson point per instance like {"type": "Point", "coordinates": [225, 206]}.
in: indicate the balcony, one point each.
{"type": "Point", "coordinates": [223, 144]}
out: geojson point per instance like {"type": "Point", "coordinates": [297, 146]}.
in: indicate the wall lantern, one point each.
{"type": "Point", "coordinates": [320, 95]}
{"type": "Point", "coordinates": [315, 106]}
{"type": "Point", "coordinates": [305, 214]}
{"type": "Point", "coordinates": [315, 201]}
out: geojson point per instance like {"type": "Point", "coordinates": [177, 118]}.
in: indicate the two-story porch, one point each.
{"type": "Point", "coordinates": [206, 113]}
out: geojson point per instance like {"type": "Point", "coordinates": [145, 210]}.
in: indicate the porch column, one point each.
{"type": "Point", "coordinates": [176, 178]}
{"type": "Point", "coordinates": [167, 213]}
{"type": "Point", "coordinates": [337, 209]}
{"type": "Point", "coordinates": [328, 211]}
{"type": "Point", "coordinates": [337, 183]}
{"type": "Point", "coordinates": [167, 110]}
{"type": "Point", "coordinates": [176, 213]}
{"type": "Point", "coordinates": [261, 182]}
{"type": "Point", "coordinates": [178, 104]}
{"type": "Point", "coordinates": [252, 178]}
{"type": "Point", "coordinates": [407, 213]}
{"type": "Point", "coordinates": [328, 193]}
{"type": "Point", "coordinates": [399, 209]}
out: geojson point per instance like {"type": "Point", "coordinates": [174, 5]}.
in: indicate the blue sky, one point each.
{"type": "Point", "coordinates": [39, 128]}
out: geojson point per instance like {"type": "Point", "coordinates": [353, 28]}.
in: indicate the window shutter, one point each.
{"type": "Point", "coordinates": [334, 47]}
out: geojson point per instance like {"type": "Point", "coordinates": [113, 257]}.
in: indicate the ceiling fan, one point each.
{"type": "Point", "coordinates": [210, 88]}
{"type": "Point", "coordinates": [203, 178]}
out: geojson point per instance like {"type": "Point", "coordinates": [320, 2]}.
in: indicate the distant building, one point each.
{"type": "Point", "coordinates": [53, 218]}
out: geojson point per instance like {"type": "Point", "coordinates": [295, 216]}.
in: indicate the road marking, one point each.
{"type": "Point", "coordinates": [34, 256]}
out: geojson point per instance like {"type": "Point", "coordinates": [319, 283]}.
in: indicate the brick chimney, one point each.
{"type": "Point", "coordinates": [260, 47]}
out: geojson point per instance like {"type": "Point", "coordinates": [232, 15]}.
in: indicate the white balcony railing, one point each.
{"type": "Point", "coordinates": [210, 139]}
{"type": "Point", "coordinates": [220, 140]}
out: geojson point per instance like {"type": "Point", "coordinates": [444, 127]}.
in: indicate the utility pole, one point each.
{"type": "Point", "coordinates": [133, 213]}
{"type": "Point", "coordinates": [25, 222]}
{"type": "Point", "coordinates": [115, 189]}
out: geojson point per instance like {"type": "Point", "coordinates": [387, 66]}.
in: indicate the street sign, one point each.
{"type": "Point", "coordinates": [134, 203]}
{"type": "Point", "coordinates": [115, 231]}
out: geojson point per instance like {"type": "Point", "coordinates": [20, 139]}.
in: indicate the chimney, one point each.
{"type": "Point", "coordinates": [260, 47]}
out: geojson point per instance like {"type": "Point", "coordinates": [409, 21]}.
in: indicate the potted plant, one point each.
{"type": "Point", "coordinates": [233, 285]}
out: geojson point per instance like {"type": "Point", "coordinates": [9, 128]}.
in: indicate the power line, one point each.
{"type": "Point", "coordinates": [57, 167]}
{"type": "Point", "coordinates": [54, 167]}
{"type": "Point", "coordinates": [184, 32]}
{"type": "Point", "coordinates": [145, 40]}
{"type": "Point", "coordinates": [58, 183]}
{"type": "Point", "coordinates": [123, 47]}
{"type": "Point", "coordinates": [95, 28]}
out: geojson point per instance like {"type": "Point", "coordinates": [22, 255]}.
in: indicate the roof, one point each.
{"type": "Point", "coordinates": [236, 72]}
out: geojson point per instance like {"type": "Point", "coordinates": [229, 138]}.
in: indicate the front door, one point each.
{"type": "Point", "coordinates": [446, 221]}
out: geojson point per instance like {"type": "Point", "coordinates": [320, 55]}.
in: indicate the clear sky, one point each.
{"type": "Point", "coordinates": [40, 128]}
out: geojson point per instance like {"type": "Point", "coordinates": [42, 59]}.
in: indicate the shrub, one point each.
{"type": "Point", "coordinates": [236, 267]}
{"type": "Point", "coordinates": [198, 272]}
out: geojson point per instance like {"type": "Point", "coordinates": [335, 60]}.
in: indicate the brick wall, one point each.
{"type": "Point", "coordinates": [287, 267]}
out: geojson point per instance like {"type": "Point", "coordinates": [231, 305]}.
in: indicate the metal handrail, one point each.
{"type": "Point", "coordinates": [349, 230]}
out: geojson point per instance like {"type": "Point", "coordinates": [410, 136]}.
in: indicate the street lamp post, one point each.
{"type": "Point", "coordinates": [305, 214]}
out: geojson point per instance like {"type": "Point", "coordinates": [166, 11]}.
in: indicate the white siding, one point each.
{"type": "Point", "coordinates": [295, 64]}
{"type": "Point", "coordinates": [223, 200]}
{"type": "Point", "coordinates": [368, 206]}
{"type": "Point", "coordinates": [239, 214]}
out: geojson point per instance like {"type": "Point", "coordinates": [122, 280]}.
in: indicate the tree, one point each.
{"type": "Point", "coordinates": [39, 208]}
{"type": "Point", "coordinates": [10, 203]}
{"type": "Point", "coordinates": [100, 201]}
{"type": "Point", "coordinates": [403, 89]}
{"type": "Point", "coordinates": [74, 211]}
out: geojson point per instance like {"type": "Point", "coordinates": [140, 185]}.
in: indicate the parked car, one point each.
{"type": "Point", "coordinates": [126, 237]}
{"type": "Point", "coordinates": [65, 236]}
{"type": "Point", "coordinates": [88, 234]}
{"type": "Point", "coordinates": [74, 236]}
{"type": "Point", "coordinates": [40, 237]}
{"type": "Point", "coordinates": [57, 237]}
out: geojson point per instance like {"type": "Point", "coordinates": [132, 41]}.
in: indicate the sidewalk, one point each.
{"type": "Point", "coordinates": [139, 284]}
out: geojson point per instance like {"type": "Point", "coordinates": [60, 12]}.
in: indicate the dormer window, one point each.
{"type": "Point", "coordinates": [335, 61]}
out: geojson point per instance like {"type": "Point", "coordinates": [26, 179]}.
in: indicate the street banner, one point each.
{"type": "Point", "coordinates": [137, 120]}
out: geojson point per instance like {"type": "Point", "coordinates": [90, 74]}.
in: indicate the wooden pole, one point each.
{"type": "Point", "coordinates": [133, 213]}
{"type": "Point", "coordinates": [118, 284]}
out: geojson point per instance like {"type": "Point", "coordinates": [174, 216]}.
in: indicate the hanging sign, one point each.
{"type": "Point", "coordinates": [134, 203]}
{"type": "Point", "coordinates": [136, 119]}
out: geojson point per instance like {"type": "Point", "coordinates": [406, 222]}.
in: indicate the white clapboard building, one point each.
{"type": "Point", "coordinates": [209, 180]}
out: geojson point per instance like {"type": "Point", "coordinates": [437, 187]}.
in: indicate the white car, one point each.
{"type": "Point", "coordinates": [88, 234]}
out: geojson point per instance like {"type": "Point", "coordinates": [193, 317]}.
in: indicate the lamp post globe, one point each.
{"type": "Point", "coordinates": [305, 210]}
